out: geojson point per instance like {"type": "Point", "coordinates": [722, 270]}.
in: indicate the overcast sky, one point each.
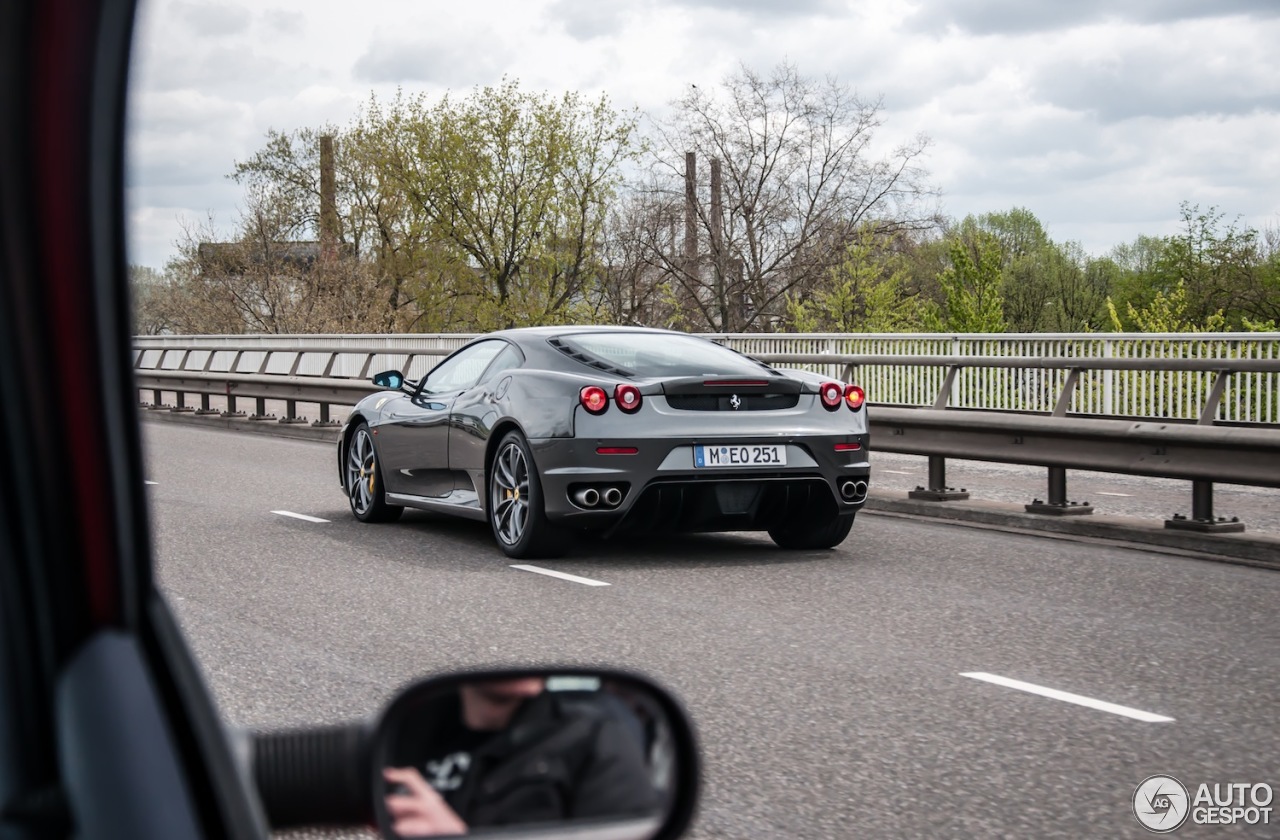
{"type": "Point", "coordinates": [1099, 117]}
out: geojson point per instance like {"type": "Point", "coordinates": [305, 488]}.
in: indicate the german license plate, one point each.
{"type": "Point", "coordinates": [751, 455]}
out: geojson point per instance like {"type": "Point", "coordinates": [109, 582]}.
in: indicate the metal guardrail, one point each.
{"type": "Point", "coordinates": [1203, 451]}
{"type": "Point", "coordinates": [248, 373]}
{"type": "Point", "coordinates": [1125, 392]}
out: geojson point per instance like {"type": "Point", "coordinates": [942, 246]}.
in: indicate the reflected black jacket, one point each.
{"type": "Point", "coordinates": [562, 758]}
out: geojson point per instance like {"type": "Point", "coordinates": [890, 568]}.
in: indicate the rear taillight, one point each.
{"type": "Point", "coordinates": [627, 397]}
{"type": "Point", "coordinates": [831, 394]}
{"type": "Point", "coordinates": [594, 399]}
{"type": "Point", "coordinates": [854, 396]}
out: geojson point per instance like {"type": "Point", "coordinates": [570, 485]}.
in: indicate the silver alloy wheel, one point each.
{"type": "Point", "coordinates": [509, 493]}
{"type": "Point", "coordinates": [361, 469]}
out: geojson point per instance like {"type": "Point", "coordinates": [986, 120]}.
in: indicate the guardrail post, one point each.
{"type": "Point", "coordinates": [204, 406]}
{"type": "Point", "coordinates": [325, 419]}
{"type": "Point", "coordinates": [260, 412]}
{"type": "Point", "coordinates": [938, 491]}
{"type": "Point", "coordinates": [157, 402]}
{"type": "Point", "coordinates": [231, 403]}
{"type": "Point", "coordinates": [291, 410]}
{"type": "Point", "coordinates": [1058, 505]}
{"type": "Point", "coordinates": [181, 407]}
{"type": "Point", "coordinates": [1202, 518]}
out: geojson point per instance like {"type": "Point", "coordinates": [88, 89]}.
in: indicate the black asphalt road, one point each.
{"type": "Point", "coordinates": [826, 686]}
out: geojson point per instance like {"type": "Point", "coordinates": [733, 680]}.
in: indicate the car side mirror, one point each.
{"type": "Point", "coordinates": [511, 752]}
{"type": "Point", "coordinates": [392, 380]}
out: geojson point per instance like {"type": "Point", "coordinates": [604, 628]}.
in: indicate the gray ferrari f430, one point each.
{"type": "Point", "coordinates": [548, 431]}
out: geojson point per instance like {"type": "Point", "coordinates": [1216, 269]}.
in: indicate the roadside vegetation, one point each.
{"type": "Point", "coordinates": [506, 207]}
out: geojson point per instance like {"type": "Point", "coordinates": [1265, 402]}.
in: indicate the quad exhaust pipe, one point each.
{"type": "Point", "coordinates": [612, 497]}
{"type": "Point", "coordinates": [587, 497]}
{"type": "Point", "coordinates": [853, 491]}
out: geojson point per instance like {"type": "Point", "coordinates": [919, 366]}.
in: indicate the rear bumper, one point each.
{"type": "Point", "coordinates": [661, 489]}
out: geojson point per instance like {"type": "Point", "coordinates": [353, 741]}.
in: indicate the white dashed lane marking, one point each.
{"type": "Point", "coordinates": [561, 575]}
{"type": "Point", "coordinates": [1067, 697]}
{"type": "Point", "coordinates": [151, 482]}
{"type": "Point", "coordinates": [1123, 495]}
{"type": "Point", "coordinates": [301, 516]}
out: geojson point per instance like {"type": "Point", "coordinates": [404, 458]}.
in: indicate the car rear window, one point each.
{"type": "Point", "coordinates": [658, 354]}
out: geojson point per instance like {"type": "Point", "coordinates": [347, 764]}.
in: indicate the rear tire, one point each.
{"type": "Point", "coordinates": [517, 508]}
{"type": "Point", "coordinates": [363, 481]}
{"type": "Point", "coordinates": [810, 535]}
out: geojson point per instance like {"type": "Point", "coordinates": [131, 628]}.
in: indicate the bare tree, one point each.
{"type": "Point", "coordinates": [798, 178]}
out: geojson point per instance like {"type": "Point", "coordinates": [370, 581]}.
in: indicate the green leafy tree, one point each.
{"type": "Point", "coordinates": [1046, 286]}
{"type": "Point", "coordinates": [1214, 268]}
{"type": "Point", "coordinates": [866, 292]}
{"type": "Point", "coordinates": [971, 287]}
{"type": "Point", "coordinates": [1166, 313]}
{"type": "Point", "coordinates": [516, 186]}
{"type": "Point", "coordinates": [1173, 313]}
{"type": "Point", "coordinates": [380, 235]}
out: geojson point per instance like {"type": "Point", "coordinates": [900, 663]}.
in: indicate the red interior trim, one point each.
{"type": "Point", "coordinates": [62, 101]}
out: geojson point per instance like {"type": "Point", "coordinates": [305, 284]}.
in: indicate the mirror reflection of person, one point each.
{"type": "Point", "coordinates": [508, 752]}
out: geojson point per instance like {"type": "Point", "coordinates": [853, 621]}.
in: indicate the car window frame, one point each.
{"type": "Point", "coordinates": [421, 390]}
{"type": "Point", "coordinates": [493, 370]}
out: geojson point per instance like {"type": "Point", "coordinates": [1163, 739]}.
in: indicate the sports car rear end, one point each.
{"type": "Point", "coordinates": [722, 443]}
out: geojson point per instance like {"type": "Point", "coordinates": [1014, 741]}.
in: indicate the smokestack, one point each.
{"type": "Point", "coordinates": [328, 202]}
{"type": "Point", "coordinates": [717, 244]}
{"type": "Point", "coordinates": [691, 214]}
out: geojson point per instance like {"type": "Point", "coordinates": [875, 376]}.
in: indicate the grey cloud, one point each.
{"type": "Point", "coordinates": [766, 8]}
{"type": "Point", "coordinates": [1148, 85]}
{"type": "Point", "coordinates": [588, 19]}
{"type": "Point", "coordinates": [1036, 160]}
{"type": "Point", "coordinates": [238, 70]}
{"type": "Point", "coordinates": [281, 22]}
{"type": "Point", "coordinates": [180, 172]}
{"type": "Point", "coordinates": [214, 19]}
{"type": "Point", "coordinates": [991, 17]}
{"type": "Point", "coordinates": [450, 65]}
{"type": "Point", "coordinates": [1098, 176]}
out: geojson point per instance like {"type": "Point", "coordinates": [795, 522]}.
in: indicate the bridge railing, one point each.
{"type": "Point", "coordinates": [1176, 393]}
{"type": "Point", "coordinates": [1186, 407]}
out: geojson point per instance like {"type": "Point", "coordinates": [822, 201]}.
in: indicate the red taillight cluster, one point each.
{"type": "Point", "coordinates": [596, 399]}
{"type": "Point", "coordinates": [832, 394]}
{"type": "Point", "coordinates": [627, 397]}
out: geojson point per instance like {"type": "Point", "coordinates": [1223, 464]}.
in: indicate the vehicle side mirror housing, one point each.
{"type": "Point", "coordinates": [528, 753]}
{"type": "Point", "coordinates": [392, 380]}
